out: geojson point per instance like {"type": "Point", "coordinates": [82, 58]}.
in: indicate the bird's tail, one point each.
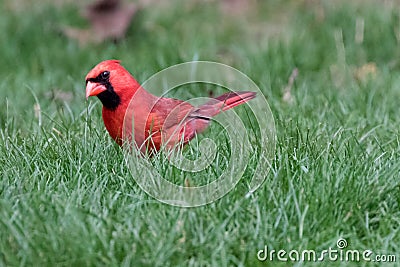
{"type": "Point", "coordinates": [224, 102]}
{"type": "Point", "coordinates": [233, 99]}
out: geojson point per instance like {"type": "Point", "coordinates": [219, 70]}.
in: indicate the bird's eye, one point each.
{"type": "Point", "coordinates": [105, 75]}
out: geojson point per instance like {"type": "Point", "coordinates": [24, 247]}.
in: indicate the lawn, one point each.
{"type": "Point", "coordinates": [68, 198]}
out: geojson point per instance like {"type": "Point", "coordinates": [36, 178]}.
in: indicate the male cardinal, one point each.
{"type": "Point", "coordinates": [157, 121]}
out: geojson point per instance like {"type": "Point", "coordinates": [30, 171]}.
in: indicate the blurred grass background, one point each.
{"type": "Point", "coordinates": [66, 197]}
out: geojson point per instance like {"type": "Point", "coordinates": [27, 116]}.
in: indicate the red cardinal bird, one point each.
{"type": "Point", "coordinates": [158, 121]}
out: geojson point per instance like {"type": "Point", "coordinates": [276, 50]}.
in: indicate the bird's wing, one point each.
{"type": "Point", "coordinates": [169, 123]}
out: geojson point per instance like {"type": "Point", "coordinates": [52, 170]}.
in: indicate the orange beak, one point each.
{"type": "Point", "coordinates": [93, 89]}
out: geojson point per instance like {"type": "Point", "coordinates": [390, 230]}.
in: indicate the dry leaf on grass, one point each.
{"type": "Point", "coordinates": [366, 72]}
{"type": "Point", "coordinates": [109, 20]}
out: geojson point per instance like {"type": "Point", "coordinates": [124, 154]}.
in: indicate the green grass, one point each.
{"type": "Point", "coordinates": [67, 198]}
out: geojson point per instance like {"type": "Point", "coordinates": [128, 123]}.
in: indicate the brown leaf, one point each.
{"type": "Point", "coordinates": [366, 72]}
{"type": "Point", "coordinates": [109, 20]}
